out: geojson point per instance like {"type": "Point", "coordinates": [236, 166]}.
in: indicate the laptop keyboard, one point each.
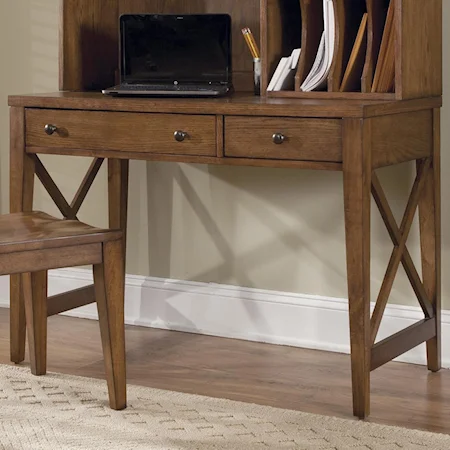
{"type": "Point", "coordinates": [169, 87]}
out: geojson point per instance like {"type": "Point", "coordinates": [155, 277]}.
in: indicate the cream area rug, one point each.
{"type": "Point", "coordinates": [65, 412]}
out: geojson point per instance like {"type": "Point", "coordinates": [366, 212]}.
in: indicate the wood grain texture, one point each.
{"type": "Point", "coordinates": [228, 161]}
{"type": "Point", "coordinates": [118, 172]}
{"type": "Point", "coordinates": [89, 47]}
{"type": "Point", "coordinates": [402, 137]}
{"type": "Point", "coordinates": [351, 80]}
{"type": "Point", "coordinates": [397, 253]}
{"type": "Point", "coordinates": [415, 50]}
{"type": "Point", "coordinates": [271, 44]}
{"type": "Point", "coordinates": [109, 280]}
{"type": "Point", "coordinates": [430, 239]}
{"type": "Point", "coordinates": [238, 104]}
{"type": "Point", "coordinates": [404, 106]}
{"type": "Point", "coordinates": [68, 211]}
{"type": "Point", "coordinates": [66, 301]}
{"type": "Point", "coordinates": [139, 132]}
{"type": "Point", "coordinates": [418, 48]}
{"type": "Point", "coordinates": [305, 139]}
{"type": "Point", "coordinates": [33, 242]}
{"type": "Point", "coordinates": [384, 76]}
{"type": "Point", "coordinates": [394, 232]}
{"type": "Point", "coordinates": [281, 32]}
{"type": "Point", "coordinates": [37, 230]}
{"type": "Point", "coordinates": [21, 166]}
{"type": "Point", "coordinates": [21, 191]}
{"type": "Point", "coordinates": [376, 11]}
{"type": "Point", "coordinates": [243, 14]}
{"type": "Point", "coordinates": [404, 395]}
{"type": "Point", "coordinates": [348, 16]}
{"type": "Point", "coordinates": [401, 342]}
{"type": "Point", "coordinates": [52, 189]}
{"type": "Point", "coordinates": [88, 54]}
{"type": "Point", "coordinates": [89, 39]}
{"type": "Point", "coordinates": [325, 95]}
{"type": "Point", "coordinates": [50, 258]}
{"type": "Point", "coordinates": [312, 29]}
{"type": "Point", "coordinates": [35, 296]}
{"type": "Point", "coordinates": [341, 44]}
{"type": "Point", "coordinates": [220, 136]}
{"type": "Point", "coordinates": [85, 185]}
{"type": "Point", "coordinates": [356, 149]}
{"type": "Point", "coordinates": [357, 183]}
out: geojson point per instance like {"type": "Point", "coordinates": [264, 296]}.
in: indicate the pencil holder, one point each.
{"type": "Point", "coordinates": [257, 75]}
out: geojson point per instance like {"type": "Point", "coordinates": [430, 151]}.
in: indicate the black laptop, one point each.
{"type": "Point", "coordinates": [174, 55]}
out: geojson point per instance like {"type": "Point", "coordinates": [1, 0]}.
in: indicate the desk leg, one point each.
{"type": "Point", "coordinates": [21, 199]}
{"type": "Point", "coordinates": [357, 197]}
{"type": "Point", "coordinates": [430, 237]}
{"type": "Point", "coordinates": [118, 195]}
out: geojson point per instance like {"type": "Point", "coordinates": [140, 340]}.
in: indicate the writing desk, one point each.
{"type": "Point", "coordinates": [353, 136]}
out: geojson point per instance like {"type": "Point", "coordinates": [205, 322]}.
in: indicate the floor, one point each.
{"type": "Point", "coordinates": [305, 380]}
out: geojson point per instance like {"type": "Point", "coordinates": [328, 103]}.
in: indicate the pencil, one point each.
{"type": "Point", "coordinates": [255, 45]}
{"type": "Point", "coordinates": [250, 40]}
{"type": "Point", "coordinates": [249, 43]}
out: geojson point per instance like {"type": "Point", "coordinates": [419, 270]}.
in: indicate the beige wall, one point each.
{"type": "Point", "coordinates": [263, 228]}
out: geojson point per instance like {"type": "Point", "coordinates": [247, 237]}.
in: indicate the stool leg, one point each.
{"type": "Point", "coordinates": [17, 320]}
{"type": "Point", "coordinates": [34, 287]}
{"type": "Point", "coordinates": [109, 281]}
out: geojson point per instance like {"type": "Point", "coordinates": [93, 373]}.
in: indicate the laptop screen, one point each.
{"type": "Point", "coordinates": [175, 48]}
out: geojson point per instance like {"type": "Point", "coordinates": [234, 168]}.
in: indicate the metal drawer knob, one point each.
{"type": "Point", "coordinates": [50, 129]}
{"type": "Point", "coordinates": [180, 136]}
{"type": "Point", "coordinates": [278, 138]}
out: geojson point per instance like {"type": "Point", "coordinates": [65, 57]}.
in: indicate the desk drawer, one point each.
{"type": "Point", "coordinates": [132, 132]}
{"type": "Point", "coordinates": [297, 139]}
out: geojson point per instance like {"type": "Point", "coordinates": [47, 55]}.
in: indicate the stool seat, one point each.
{"type": "Point", "coordinates": [32, 243]}
{"type": "Point", "coordinates": [37, 230]}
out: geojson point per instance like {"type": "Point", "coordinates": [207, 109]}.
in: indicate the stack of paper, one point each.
{"type": "Point", "coordinates": [317, 77]}
{"type": "Point", "coordinates": [284, 76]}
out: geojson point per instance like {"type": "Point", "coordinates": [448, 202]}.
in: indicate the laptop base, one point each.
{"type": "Point", "coordinates": [163, 91]}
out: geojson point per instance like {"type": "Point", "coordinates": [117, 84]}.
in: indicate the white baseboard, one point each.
{"type": "Point", "coordinates": [252, 314]}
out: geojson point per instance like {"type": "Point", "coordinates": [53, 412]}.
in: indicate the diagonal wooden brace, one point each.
{"type": "Point", "coordinates": [394, 232]}
{"type": "Point", "coordinates": [86, 185]}
{"type": "Point", "coordinates": [399, 250]}
{"type": "Point", "coordinates": [68, 211]}
{"type": "Point", "coordinates": [51, 188]}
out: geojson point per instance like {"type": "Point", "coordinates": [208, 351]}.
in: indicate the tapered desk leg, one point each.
{"type": "Point", "coordinates": [357, 197]}
{"type": "Point", "coordinates": [118, 195]}
{"type": "Point", "coordinates": [21, 199]}
{"type": "Point", "coordinates": [430, 238]}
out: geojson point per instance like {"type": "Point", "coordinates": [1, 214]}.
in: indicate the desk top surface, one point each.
{"type": "Point", "coordinates": [237, 104]}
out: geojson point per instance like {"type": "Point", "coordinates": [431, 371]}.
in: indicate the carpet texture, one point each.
{"type": "Point", "coordinates": [66, 412]}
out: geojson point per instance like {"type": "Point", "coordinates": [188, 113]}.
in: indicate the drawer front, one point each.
{"type": "Point", "coordinates": [279, 138]}
{"type": "Point", "coordinates": [132, 132]}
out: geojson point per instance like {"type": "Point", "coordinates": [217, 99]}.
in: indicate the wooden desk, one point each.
{"type": "Point", "coordinates": [352, 136]}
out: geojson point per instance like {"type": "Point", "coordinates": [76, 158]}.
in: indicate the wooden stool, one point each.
{"type": "Point", "coordinates": [30, 244]}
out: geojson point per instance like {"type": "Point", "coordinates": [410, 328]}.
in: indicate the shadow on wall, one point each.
{"type": "Point", "coordinates": [276, 229]}
{"type": "Point", "coordinates": [44, 30]}
{"type": "Point", "coordinates": [30, 65]}
{"type": "Point", "coordinates": [269, 228]}
{"type": "Point", "coordinates": [15, 76]}
{"type": "Point", "coordinates": [279, 229]}
{"type": "Point", "coordinates": [229, 194]}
